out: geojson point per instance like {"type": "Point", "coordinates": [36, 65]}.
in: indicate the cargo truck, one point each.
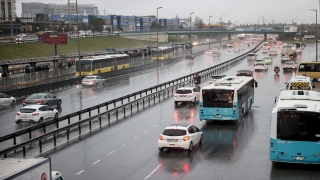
{"type": "Point", "coordinates": [27, 169]}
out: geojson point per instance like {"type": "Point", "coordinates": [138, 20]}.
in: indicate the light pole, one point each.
{"type": "Point", "coordinates": [190, 34]}
{"type": "Point", "coordinates": [78, 38]}
{"type": "Point", "coordinates": [157, 33]}
{"type": "Point", "coordinates": [316, 32]}
{"type": "Point", "coordinates": [258, 21]}
{"type": "Point", "coordinates": [292, 20]}
{"type": "Point", "coordinates": [220, 21]}
{"type": "Point", "coordinates": [209, 31]}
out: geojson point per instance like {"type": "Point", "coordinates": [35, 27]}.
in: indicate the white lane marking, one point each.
{"type": "Point", "coordinates": [154, 125]}
{"type": "Point", "coordinates": [7, 110]}
{"type": "Point", "coordinates": [89, 98]}
{"type": "Point", "coordinates": [96, 162]}
{"type": "Point", "coordinates": [145, 131]}
{"type": "Point", "coordinates": [123, 144]}
{"type": "Point", "coordinates": [124, 88]}
{"type": "Point", "coordinates": [152, 172]}
{"type": "Point", "coordinates": [110, 152]}
{"type": "Point", "coordinates": [80, 172]}
{"type": "Point", "coordinates": [135, 137]}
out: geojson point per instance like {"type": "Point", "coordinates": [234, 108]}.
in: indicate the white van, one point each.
{"type": "Point", "coordinates": [300, 83]}
{"type": "Point", "coordinates": [252, 56]}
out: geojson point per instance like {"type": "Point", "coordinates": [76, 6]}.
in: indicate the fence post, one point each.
{"type": "Point", "coordinates": [109, 119]}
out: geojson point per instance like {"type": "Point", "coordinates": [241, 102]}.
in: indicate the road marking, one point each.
{"type": "Point", "coordinates": [96, 162]}
{"type": "Point", "coordinates": [80, 172]}
{"type": "Point", "coordinates": [110, 152]}
{"type": "Point", "coordinates": [135, 137]}
{"type": "Point", "coordinates": [145, 131]}
{"type": "Point", "coordinates": [89, 98]}
{"type": "Point", "coordinates": [154, 125]}
{"type": "Point", "coordinates": [152, 172]}
{"type": "Point", "coordinates": [124, 88]}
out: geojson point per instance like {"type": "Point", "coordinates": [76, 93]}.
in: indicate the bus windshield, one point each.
{"type": "Point", "coordinates": [85, 65]}
{"type": "Point", "coordinates": [217, 98]}
{"type": "Point", "coordinates": [298, 125]}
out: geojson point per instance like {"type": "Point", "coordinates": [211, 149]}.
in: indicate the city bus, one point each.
{"type": "Point", "coordinates": [101, 64]}
{"type": "Point", "coordinates": [309, 69]}
{"type": "Point", "coordinates": [295, 127]}
{"type": "Point", "coordinates": [228, 98]}
{"type": "Point", "coordinates": [162, 53]}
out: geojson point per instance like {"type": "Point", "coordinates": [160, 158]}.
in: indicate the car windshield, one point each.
{"type": "Point", "coordinates": [174, 132]}
{"type": "Point", "coordinates": [251, 54]}
{"type": "Point", "coordinates": [259, 64]}
{"type": "Point", "coordinates": [35, 96]}
{"type": "Point", "coordinates": [298, 125]}
{"type": "Point", "coordinates": [24, 110]}
{"type": "Point", "coordinates": [288, 62]}
{"type": "Point", "coordinates": [217, 98]}
{"type": "Point", "coordinates": [183, 91]}
{"type": "Point", "coordinates": [90, 77]}
{"type": "Point", "coordinates": [244, 73]}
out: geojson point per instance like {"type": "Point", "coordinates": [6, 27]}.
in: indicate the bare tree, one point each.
{"type": "Point", "coordinates": [199, 22]}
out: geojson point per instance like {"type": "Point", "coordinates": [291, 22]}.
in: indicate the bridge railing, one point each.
{"type": "Point", "coordinates": [115, 110]}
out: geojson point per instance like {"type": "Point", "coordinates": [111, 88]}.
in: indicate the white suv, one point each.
{"type": "Point", "coordinates": [180, 136]}
{"type": "Point", "coordinates": [187, 94]}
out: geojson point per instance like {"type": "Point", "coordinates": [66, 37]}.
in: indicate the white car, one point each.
{"type": "Point", "coordinates": [265, 50]}
{"type": "Point", "coordinates": [260, 66]}
{"type": "Point", "coordinates": [187, 94]}
{"type": "Point", "coordinates": [215, 52]}
{"type": "Point", "coordinates": [209, 51]}
{"type": "Point", "coordinates": [180, 136]}
{"type": "Point", "coordinates": [272, 52]}
{"type": "Point", "coordinates": [289, 65]}
{"type": "Point", "coordinates": [94, 80]}
{"type": "Point", "coordinates": [284, 58]}
{"type": "Point", "coordinates": [6, 100]}
{"type": "Point", "coordinates": [36, 113]}
{"type": "Point", "coordinates": [252, 56]}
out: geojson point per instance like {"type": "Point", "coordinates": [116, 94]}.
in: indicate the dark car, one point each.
{"type": "Point", "coordinates": [248, 73]}
{"type": "Point", "coordinates": [189, 56]}
{"type": "Point", "coordinates": [42, 99]}
{"type": "Point", "coordinates": [111, 49]}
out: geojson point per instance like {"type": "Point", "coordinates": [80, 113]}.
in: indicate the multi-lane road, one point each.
{"type": "Point", "coordinates": [238, 150]}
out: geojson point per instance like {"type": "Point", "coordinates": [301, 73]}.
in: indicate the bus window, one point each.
{"type": "Point", "coordinates": [311, 67]}
{"type": "Point", "coordinates": [302, 67]}
{"type": "Point", "coordinates": [317, 68]}
{"type": "Point", "coordinates": [217, 98]}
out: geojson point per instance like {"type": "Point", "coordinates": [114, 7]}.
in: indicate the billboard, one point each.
{"type": "Point", "coordinates": [55, 38]}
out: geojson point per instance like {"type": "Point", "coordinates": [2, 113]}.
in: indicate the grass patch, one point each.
{"type": "Point", "coordinates": [34, 50]}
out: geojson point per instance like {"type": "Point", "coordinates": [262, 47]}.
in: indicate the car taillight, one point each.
{"type": "Point", "coordinates": [18, 114]}
{"type": "Point", "coordinates": [35, 114]}
{"type": "Point", "coordinates": [39, 101]}
{"type": "Point", "coordinates": [186, 138]}
{"type": "Point", "coordinates": [175, 95]}
{"type": "Point", "coordinates": [24, 101]}
{"type": "Point", "coordinates": [93, 81]}
{"type": "Point", "coordinates": [160, 137]}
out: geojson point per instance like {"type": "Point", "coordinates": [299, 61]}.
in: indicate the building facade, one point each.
{"type": "Point", "coordinates": [7, 10]}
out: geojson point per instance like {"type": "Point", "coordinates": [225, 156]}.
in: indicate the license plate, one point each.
{"type": "Point", "coordinates": [182, 95]}
{"type": "Point", "coordinates": [218, 116]}
{"type": "Point", "coordinates": [172, 140]}
{"type": "Point", "coordinates": [299, 158]}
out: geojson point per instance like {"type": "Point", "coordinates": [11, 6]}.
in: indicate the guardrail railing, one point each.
{"type": "Point", "coordinates": [125, 104]}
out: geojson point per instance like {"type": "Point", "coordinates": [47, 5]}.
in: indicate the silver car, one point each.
{"type": "Point", "coordinates": [7, 100]}
{"type": "Point", "coordinates": [94, 80]}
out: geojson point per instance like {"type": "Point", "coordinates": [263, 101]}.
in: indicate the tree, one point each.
{"type": "Point", "coordinates": [154, 25]}
{"type": "Point", "coordinates": [97, 23]}
{"type": "Point", "coordinates": [199, 22]}
{"type": "Point", "coordinates": [181, 27]}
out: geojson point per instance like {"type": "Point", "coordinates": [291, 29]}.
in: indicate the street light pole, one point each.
{"type": "Point", "coordinates": [316, 32]}
{"type": "Point", "coordinates": [78, 38]}
{"type": "Point", "coordinates": [157, 33]}
{"type": "Point", "coordinates": [220, 21]}
{"type": "Point", "coordinates": [209, 31]}
{"type": "Point", "coordinates": [190, 34]}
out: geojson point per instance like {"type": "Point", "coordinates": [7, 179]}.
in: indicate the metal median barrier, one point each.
{"type": "Point", "coordinates": [54, 133]}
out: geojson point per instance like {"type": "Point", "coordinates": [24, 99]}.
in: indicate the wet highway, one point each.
{"type": "Point", "coordinates": [231, 150]}
{"type": "Point", "coordinates": [78, 98]}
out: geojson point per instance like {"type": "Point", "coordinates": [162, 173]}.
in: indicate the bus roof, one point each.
{"type": "Point", "coordinates": [311, 62]}
{"type": "Point", "coordinates": [230, 82]}
{"type": "Point", "coordinates": [300, 100]}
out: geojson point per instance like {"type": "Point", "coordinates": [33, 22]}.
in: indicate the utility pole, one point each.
{"type": "Point", "coordinates": [78, 39]}
{"type": "Point", "coordinates": [69, 15]}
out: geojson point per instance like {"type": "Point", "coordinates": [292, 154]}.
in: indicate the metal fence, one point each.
{"type": "Point", "coordinates": [114, 111]}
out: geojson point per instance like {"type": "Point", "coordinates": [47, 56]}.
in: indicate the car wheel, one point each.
{"type": "Point", "coordinates": [190, 147]}
{"type": "Point", "coordinates": [18, 122]}
{"type": "Point", "coordinates": [13, 103]}
{"type": "Point", "coordinates": [97, 84]}
{"type": "Point", "coordinates": [59, 103]}
{"type": "Point", "coordinates": [176, 103]}
{"type": "Point", "coordinates": [56, 116]}
{"type": "Point", "coordinates": [41, 120]}
{"type": "Point", "coordinates": [201, 140]}
{"type": "Point", "coordinates": [160, 149]}
{"type": "Point", "coordinates": [195, 101]}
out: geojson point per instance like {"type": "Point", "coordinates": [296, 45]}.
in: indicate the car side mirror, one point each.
{"type": "Point", "coordinates": [255, 84]}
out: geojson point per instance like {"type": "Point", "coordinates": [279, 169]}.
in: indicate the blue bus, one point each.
{"type": "Point", "coordinates": [295, 127]}
{"type": "Point", "coordinates": [228, 98]}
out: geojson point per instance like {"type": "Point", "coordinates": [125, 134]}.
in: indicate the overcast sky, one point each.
{"type": "Point", "coordinates": [243, 11]}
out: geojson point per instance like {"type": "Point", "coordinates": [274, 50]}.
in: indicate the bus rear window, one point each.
{"type": "Point", "coordinates": [298, 126]}
{"type": "Point", "coordinates": [214, 98]}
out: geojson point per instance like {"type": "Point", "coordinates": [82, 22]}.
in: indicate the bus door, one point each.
{"type": "Point", "coordinates": [240, 103]}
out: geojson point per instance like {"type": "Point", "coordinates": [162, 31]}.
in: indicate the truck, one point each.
{"type": "Point", "coordinates": [287, 53]}
{"type": "Point", "coordinates": [27, 169]}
